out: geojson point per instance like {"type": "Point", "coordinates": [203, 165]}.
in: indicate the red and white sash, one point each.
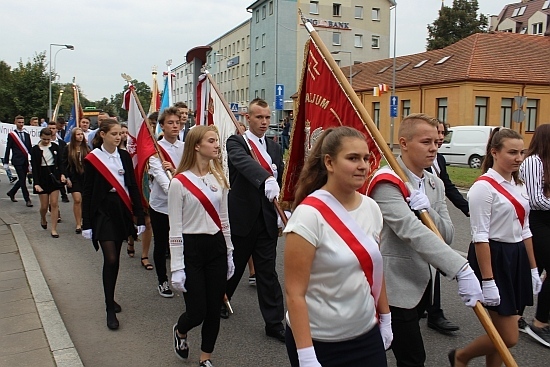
{"type": "Point", "coordinates": [385, 174]}
{"type": "Point", "coordinates": [20, 143]}
{"type": "Point", "coordinates": [364, 246]}
{"type": "Point", "coordinates": [192, 183]}
{"type": "Point", "coordinates": [520, 210]}
{"type": "Point", "coordinates": [122, 191]}
{"type": "Point", "coordinates": [263, 157]}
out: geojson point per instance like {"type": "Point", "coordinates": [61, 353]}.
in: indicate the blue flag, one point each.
{"type": "Point", "coordinates": [70, 125]}
{"type": "Point", "coordinates": [165, 102]}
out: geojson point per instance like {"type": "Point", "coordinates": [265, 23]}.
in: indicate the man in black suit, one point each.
{"type": "Point", "coordinates": [252, 216]}
{"type": "Point", "coordinates": [60, 125]}
{"type": "Point", "coordinates": [62, 144]}
{"type": "Point", "coordinates": [436, 318]}
{"type": "Point", "coordinates": [19, 159]}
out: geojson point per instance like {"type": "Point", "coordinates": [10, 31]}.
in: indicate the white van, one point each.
{"type": "Point", "coordinates": [466, 145]}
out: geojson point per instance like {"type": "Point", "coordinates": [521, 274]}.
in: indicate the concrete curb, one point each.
{"type": "Point", "coordinates": [61, 345]}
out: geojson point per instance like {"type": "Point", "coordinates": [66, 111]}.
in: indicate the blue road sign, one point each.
{"type": "Point", "coordinates": [279, 96]}
{"type": "Point", "coordinates": [234, 107]}
{"type": "Point", "coordinates": [393, 106]}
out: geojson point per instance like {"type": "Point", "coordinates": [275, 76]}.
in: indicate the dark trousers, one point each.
{"type": "Point", "coordinates": [539, 222]}
{"type": "Point", "coordinates": [434, 310]}
{"type": "Point", "coordinates": [21, 182]}
{"type": "Point", "coordinates": [365, 350]}
{"type": "Point", "coordinates": [264, 254]}
{"type": "Point", "coordinates": [161, 228]}
{"type": "Point", "coordinates": [407, 345]}
{"type": "Point", "coordinates": [206, 270]}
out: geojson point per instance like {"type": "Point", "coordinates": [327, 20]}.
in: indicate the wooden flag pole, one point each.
{"type": "Point", "coordinates": [241, 131]}
{"type": "Point", "coordinates": [146, 121]}
{"type": "Point", "coordinates": [56, 109]}
{"type": "Point", "coordinates": [392, 162]}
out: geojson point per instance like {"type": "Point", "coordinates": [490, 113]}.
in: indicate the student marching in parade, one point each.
{"type": "Point", "coordinates": [110, 200]}
{"type": "Point", "coordinates": [200, 239]}
{"type": "Point", "coordinates": [73, 163]}
{"type": "Point", "coordinates": [48, 177]}
{"type": "Point", "coordinates": [332, 241]}
{"type": "Point", "coordinates": [19, 144]}
{"type": "Point", "coordinates": [501, 252]}
{"type": "Point", "coordinates": [172, 150]}
{"type": "Point", "coordinates": [535, 172]}
{"type": "Point", "coordinates": [411, 251]}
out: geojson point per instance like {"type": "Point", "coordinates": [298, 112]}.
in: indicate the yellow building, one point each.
{"type": "Point", "coordinates": [472, 82]}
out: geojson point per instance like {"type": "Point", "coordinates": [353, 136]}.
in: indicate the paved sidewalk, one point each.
{"type": "Point", "coordinates": [31, 329]}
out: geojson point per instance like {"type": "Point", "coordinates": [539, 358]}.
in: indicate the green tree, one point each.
{"type": "Point", "coordinates": [455, 23]}
{"type": "Point", "coordinates": [144, 94]}
{"type": "Point", "coordinates": [30, 87]}
{"type": "Point", "coordinates": [7, 105]}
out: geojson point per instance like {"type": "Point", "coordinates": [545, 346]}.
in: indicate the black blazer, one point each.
{"type": "Point", "coordinates": [96, 188]}
{"type": "Point", "coordinates": [69, 170]}
{"type": "Point", "coordinates": [18, 158]}
{"type": "Point", "coordinates": [246, 199]}
{"type": "Point", "coordinates": [451, 192]}
{"type": "Point", "coordinates": [36, 162]}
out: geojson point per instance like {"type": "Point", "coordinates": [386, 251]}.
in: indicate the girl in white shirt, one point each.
{"type": "Point", "coordinates": [200, 241]}
{"type": "Point", "coordinates": [501, 252]}
{"type": "Point", "coordinates": [332, 297]}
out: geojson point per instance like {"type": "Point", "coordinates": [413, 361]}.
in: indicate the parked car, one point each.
{"type": "Point", "coordinates": [466, 145]}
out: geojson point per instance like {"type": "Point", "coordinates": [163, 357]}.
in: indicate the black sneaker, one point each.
{"type": "Point", "coordinates": [252, 280]}
{"type": "Point", "coordinates": [65, 199]}
{"type": "Point", "coordinates": [164, 290]}
{"type": "Point", "coordinates": [522, 325]}
{"type": "Point", "coordinates": [206, 363]}
{"type": "Point", "coordinates": [13, 179]}
{"type": "Point", "coordinates": [540, 334]}
{"type": "Point", "coordinates": [181, 348]}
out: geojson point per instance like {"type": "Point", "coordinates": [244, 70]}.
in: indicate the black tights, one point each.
{"type": "Point", "coordinates": [111, 262]}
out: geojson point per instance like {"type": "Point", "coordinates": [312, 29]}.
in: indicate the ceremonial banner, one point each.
{"type": "Point", "coordinates": [322, 103]}
{"type": "Point", "coordinates": [140, 144]}
{"type": "Point", "coordinates": [155, 95]}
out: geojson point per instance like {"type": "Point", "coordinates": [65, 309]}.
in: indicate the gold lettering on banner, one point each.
{"type": "Point", "coordinates": [312, 69]}
{"type": "Point", "coordinates": [317, 100]}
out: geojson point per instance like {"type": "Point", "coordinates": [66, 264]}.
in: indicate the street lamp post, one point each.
{"type": "Point", "coordinates": [350, 64]}
{"type": "Point", "coordinates": [65, 47]}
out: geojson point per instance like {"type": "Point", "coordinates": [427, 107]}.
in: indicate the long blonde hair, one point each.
{"type": "Point", "coordinates": [189, 158]}
{"type": "Point", "coordinates": [77, 151]}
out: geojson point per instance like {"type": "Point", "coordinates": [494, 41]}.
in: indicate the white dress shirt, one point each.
{"type": "Point", "coordinates": [492, 215]}
{"type": "Point", "coordinates": [532, 173]}
{"type": "Point", "coordinates": [158, 199]}
{"type": "Point", "coordinates": [114, 164]}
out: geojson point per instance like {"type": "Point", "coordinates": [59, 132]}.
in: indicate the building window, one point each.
{"type": "Point", "coordinates": [243, 43]}
{"type": "Point", "coordinates": [247, 42]}
{"type": "Point", "coordinates": [247, 94]}
{"type": "Point", "coordinates": [263, 67]}
{"type": "Point", "coordinates": [405, 108]}
{"type": "Point", "coordinates": [256, 93]}
{"type": "Point", "coordinates": [537, 28]}
{"type": "Point", "coordinates": [262, 94]}
{"type": "Point", "coordinates": [313, 7]}
{"type": "Point", "coordinates": [257, 45]}
{"type": "Point", "coordinates": [358, 40]}
{"type": "Point", "coordinates": [247, 69]}
{"type": "Point", "coordinates": [376, 14]}
{"type": "Point", "coordinates": [256, 69]}
{"type": "Point", "coordinates": [242, 71]}
{"type": "Point", "coordinates": [442, 109]}
{"type": "Point", "coordinates": [480, 111]}
{"type": "Point", "coordinates": [376, 113]}
{"type": "Point", "coordinates": [375, 40]}
{"type": "Point", "coordinates": [257, 15]}
{"type": "Point", "coordinates": [531, 118]}
{"type": "Point", "coordinates": [336, 10]}
{"type": "Point", "coordinates": [506, 112]}
{"type": "Point", "coordinates": [358, 12]}
{"type": "Point", "coordinates": [263, 39]}
{"type": "Point", "coordinates": [270, 7]}
{"type": "Point", "coordinates": [338, 62]}
{"type": "Point", "coordinates": [263, 12]}
{"type": "Point", "coordinates": [238, 46]}
{"type": "Point", "coordinates": [336, 38]}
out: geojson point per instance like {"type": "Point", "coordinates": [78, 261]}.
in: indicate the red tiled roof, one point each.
{"type": "Point", "coordinates": [531, 7]}
{"type": "Point", "coordinates": [496, 57]}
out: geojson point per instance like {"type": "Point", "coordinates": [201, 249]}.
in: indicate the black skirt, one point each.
{"type": "Point", "coordinates": [112, 222]}
{"type": "Point", "coordinates": [45, 180]}
{"type": "Point", "coordinates": [77, 181]}
{"type": "Point", "coordinates": [512, 273]}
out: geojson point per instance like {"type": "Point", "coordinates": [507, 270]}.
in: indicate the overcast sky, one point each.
{"type": "Point", "coordinates": [115, 36]}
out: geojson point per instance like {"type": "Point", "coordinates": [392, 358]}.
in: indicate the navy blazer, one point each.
{"type": "Point", "coordinates": [246, 199]}
{"type": "Point", "coordinates": [451, 192]}
{"type": "Point", "coordinates": [18, 158]}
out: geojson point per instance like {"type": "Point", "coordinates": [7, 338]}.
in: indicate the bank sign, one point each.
{"type": "Point", "coordinates": [323, 23]}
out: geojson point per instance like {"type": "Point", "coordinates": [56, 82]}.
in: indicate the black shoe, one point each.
{"type": "Point", "coordinates": [13, 179]}
{"type": "Point", "coordinates": [442, 325]}
{"type": "Point", "coordinates": [65, 199]}
{"type": "Point", "coordinates": [29, 179]}
{"type": "Point", "coordinates": [29, 204]}
{"type": "Point", "coordinates": [118, 309]}
{"type": "Point", "coordinates": [12, 197]}
{"type": "Point", "coordinates": [181, 348]}
{"type": "Point", "coordinates": [224, 312]}
{"type": "Point", "coordinates": [276, 334]}
{"type": "Point", "coordinates": [112, 321]}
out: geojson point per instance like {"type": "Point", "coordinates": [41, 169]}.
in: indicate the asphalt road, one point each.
{"type": "Point", "coordinates": [72, 269]}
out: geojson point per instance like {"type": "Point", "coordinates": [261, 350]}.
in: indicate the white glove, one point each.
{"type": "Point", "coordinates": [6, 166]}
{"type": "Point", "coordinates": [87, 234]}
{"type": "Point", "coordinates": [307, 357]}
{"type": "Point", "coordinates": [386, 330]}
{"type": "Point", "coordinates": [469, 289]}
{"type": "Point", "coordinates": [280, 223]}
{"type": "Point", "coordinates": [178, 280]}
{"type": "Point", "coordinates": [140, 230]}
{"type": "Point", "coordinates": [230, 265]}
{"type": "Point", "coordinates": [491, 294]}
{"type": "Point", "coordinates": [535, 280]}
{"type": "Point", "coordinates": [418, 200]}
{"type": "Point", "coordinates": [272, 189]}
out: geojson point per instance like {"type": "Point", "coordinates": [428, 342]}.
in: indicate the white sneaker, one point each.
{"type": "Point", "coordinates": [164, 290]}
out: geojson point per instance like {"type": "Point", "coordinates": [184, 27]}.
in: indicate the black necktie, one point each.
{"type": "Point", "coordinates": [261, 142]}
